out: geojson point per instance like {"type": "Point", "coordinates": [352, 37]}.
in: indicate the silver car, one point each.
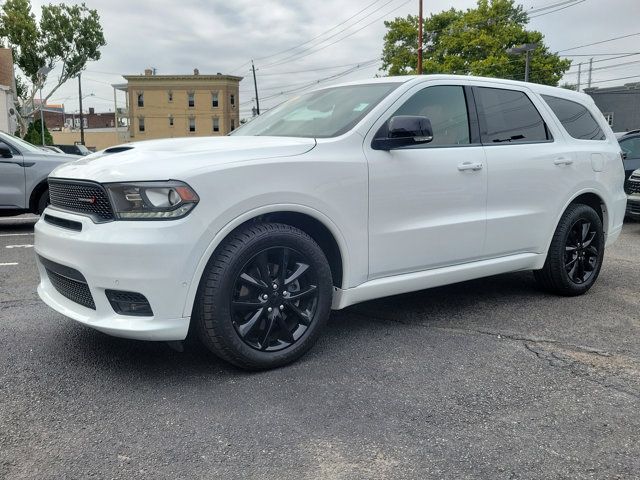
{"type": "Point", "coordinates": [23, 175]}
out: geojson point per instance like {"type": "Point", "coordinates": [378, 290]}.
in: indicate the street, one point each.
{"type": "Point", "coordinates": [485, 379]}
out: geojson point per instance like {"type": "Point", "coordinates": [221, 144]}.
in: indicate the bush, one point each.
{"type": "Point", "coordinates": [34, 134]}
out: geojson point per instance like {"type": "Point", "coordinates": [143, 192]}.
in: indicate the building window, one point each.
{"type": "Point", "coordinates": [192, 99]}
{"type": "Point", "coordinates": [192, 124]}
{"type": "Point", "coordinates": [609, 118]}
{"type": "Point", "coordinates": [170, 96]}
{"type": "Point", "coordinates": [171, 120]}
{"type": "Point", "coordinates": [141, 99]}
{"type": "Point", "coordinates": [232, 100]}
{"type": "Point", "coordinates": [216, 124]}
{"type": "Point", "coordinates": [233, 124]}
{"type": "Point", "coordinates": [214, 99]}
{"type": "Point", "coordinates": [141, 124]}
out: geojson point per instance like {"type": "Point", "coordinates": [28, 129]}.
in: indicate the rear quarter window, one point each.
{"type": "Point", "coordinates": [575, 118]}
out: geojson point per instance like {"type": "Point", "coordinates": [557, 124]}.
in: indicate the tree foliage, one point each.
{"type": "Point", "coordinates": [471, 42]}
{"type": "Point", "coordinates": [65, 38]}
{"type": "Point", "coordinates": [34, 134]}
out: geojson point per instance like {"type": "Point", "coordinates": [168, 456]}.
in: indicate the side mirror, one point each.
{"type": "Point", "coordinates": [5, 152]}
{"type": "Point", "coordinates": [402, 131]}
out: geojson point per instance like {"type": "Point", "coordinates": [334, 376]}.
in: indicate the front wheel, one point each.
{"type": "Point", "coordinates": [265, 297]}
{"type": "Point", "coordinates": [43, 201]}
{"type": "Point", "coordinates": [575, 255]}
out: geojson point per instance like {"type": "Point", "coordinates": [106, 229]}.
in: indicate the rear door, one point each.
{"type": "Point", "coordinates": [12, 179]}
{"type": "Point", "coordinates": [531, 169]}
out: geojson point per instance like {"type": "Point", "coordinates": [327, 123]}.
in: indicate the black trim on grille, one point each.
{"type": "Point", "coordinates": [63, 223]}
{"type": "Point", "coordinates": [69, 283]}
{"type": "Point", "coordinates": [632, 185]}
{"type": "Point", "coordinates": [129, 303]}
{"type": "Point", "coordinates": [80, 196]}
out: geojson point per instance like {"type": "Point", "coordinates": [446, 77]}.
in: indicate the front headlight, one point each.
{"type": "Point", "coordinates": [151, 200]}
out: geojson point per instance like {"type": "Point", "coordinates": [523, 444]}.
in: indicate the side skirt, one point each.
{"type": "Point", "coordinates": [411, 282]}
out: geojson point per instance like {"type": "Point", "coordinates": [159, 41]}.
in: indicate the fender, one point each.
{"type": "Point", "coordinates": [564, 208]}
{"type": "Point", "coordinates": [229, 227]}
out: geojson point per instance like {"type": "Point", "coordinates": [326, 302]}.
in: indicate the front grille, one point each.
{"type": "Point", "coordinates": [69, 283]}
{"type": "Point", "coordinates": [632, 185]}
{"type": "Point", "coordinates": [82, 197]}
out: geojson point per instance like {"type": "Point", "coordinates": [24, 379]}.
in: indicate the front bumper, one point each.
{"type": "Point", "coordinates": [150, 258]}
{"type": "Point", "coordinates": [633, 206]}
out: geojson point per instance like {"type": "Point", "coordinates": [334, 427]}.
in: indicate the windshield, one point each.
{"type": "Point", "coordinates": [18, 142]}
{"type": "Point", "coordinates": [83, 149]}
{"type": "Point", "coordinates": [321, 114]}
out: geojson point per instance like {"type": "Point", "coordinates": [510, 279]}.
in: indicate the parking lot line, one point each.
{"type": "Point", "coordinates": [19, 246]}
{"type": "Point", "coordinates": [9, 264]}
{"type": "Point", "coordinates": [15, 234]}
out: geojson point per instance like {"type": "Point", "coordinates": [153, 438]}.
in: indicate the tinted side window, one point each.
{"type": "Point", "coordinates": [575, 118]}
{"type": "Point", "coordinates": [631, 146]}
{"type": "Point", "coordinates": [508, 116]}
{"type": "Point", "coordinates": [446, 108]}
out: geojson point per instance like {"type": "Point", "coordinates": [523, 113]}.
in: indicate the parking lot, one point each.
{"type": "Point", "coordinates": [490, 378]}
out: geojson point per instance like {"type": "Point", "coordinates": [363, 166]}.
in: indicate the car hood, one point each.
{"type": "Point", "coordinates": [178, 158]}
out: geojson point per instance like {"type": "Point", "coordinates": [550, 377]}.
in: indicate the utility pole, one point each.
{"type": "Point", "coordinates": [590, 68]}
{"type": "Point", "coordinates": [527, 48]}
{"type": "Point", "coordinates": [579, 76]}
{"type": "Point", "coordinates": [419, 37]}
{"type": "Point", "coordinates": [255, 85]}
{"type": "Point", "coordinates": [81, 117]}
{"type": "Point", "coordinates": [526, 65]}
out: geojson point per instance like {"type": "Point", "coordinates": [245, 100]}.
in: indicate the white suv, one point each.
{"type": "Point", "coordinates": [341, 195]}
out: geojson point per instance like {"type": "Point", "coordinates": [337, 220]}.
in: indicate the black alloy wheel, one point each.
{"type": "Point", "coordinates": [575, 255]}
{"type": "Point", "coordinates": [274, 299]}
{"type": "Point", "coordinates": [582, 251]}
{"type": "Point", "coordinates": [265, 296]}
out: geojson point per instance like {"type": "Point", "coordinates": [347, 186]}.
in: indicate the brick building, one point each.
{"type": "Point", "coordinates": [55, 118]}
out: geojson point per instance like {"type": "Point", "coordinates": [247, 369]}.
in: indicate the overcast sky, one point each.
{"type": "Point", "coordinates": [222, 36]}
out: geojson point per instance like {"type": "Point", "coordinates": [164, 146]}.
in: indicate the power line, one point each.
{"type": "Point", "coordinates": [299, 55]}
{"type": "Point", "coordinates": [558, 9]}
{"type": "Point", "coordinates": [606, 67]}
{"type": "Point", "coordinates": [616, 79]}
{"type": "Point", "coordinates": [321, 34]}
{"type": "Point", "coordinates": [600, 42]}
{"type": "Point", "coordinates": [313, 69]}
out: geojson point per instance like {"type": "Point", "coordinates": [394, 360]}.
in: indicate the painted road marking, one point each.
{"type": "Point", "coordinates": [8, 264]}
{"type": "Point", "coordinates": [15, 234]}
{"type": "Point", "coordinates": [19, 246]}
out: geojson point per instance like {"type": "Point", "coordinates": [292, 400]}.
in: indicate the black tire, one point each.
{"type": "Point", "coordinates": [43, 202]}
{"type": "Point", "coordinates": [218, 321]}
{"type": "Point", "coordinates": [575, 256]}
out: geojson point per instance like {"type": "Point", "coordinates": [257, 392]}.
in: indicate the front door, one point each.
{"type": "Point", "coordinates": [12, 181]}
{"type": "Point", "coordinates": [427, 203]}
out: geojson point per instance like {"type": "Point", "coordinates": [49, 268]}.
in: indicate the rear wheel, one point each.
{"type": "Point", "coordinates": [265, 297]}
{"type": "Point", "coordinates": [575, 255]}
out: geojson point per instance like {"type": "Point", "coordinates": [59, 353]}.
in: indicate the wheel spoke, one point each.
{"type": "Point", "coordinates": [263, 268]}
{"type": "Point", "coordinates": [589, 239]}
{"type": "Point", "coordinates": [264, 343]}
{"type": "Point", "coordinates": [246, 305]}
{"type": "Point", "coordinates": [572, 272]}
{"type": "Point", "coordinates": [284, 262]}
{"type": "Point", "coordinates": [302, 294]}
{"type": "Point", "coordinates": [249, 280]}
{"type": "Point", "coordinates": [288, 336]}
{"type": "Point", "coordinates": [591, 250]}
{"type": "Point", "coordinates": [570, 264]}
{"type": "Point", "coordinates": [570, 248]}
{"type": "Point", "coordinates": [585, 231]}
{"type": "Point", "coordinates": [304, 319]}
{"type": "Point", "coordinates": [300, 269]}
{"type": "Point", "coordinates": [245, 328]}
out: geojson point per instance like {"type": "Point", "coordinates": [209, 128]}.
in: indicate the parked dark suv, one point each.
{"type": "Point", "coordinates": [630, 145]}
{"type": "Point", "coordinates": [77, 149]}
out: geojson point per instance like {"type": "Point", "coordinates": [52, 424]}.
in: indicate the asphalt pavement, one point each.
{"type": "Point", "coordinates": [484, 379]}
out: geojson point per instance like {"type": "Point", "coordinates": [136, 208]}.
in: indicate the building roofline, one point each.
{"type": "Point", "coordinates": [182, 77]}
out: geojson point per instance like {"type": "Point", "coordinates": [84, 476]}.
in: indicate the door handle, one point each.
{"type": "Point", "coordinates": [475, 166]}
{"type": "Point", "coordinates": [562, 161]}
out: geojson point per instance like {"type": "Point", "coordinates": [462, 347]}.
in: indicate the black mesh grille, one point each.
{"type": "Point", "coordinates": [74, 290]}
{"type": "Point", "coordinates": [632, 186]}
{"type": "Point", "coordinates": [83, 197]}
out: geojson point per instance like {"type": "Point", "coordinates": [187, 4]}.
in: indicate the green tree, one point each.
{"type": "Point", "coordinates": [471, 42]}
{"type": "Point", "coordinates": [34, 134]}
{"type": "Point", "coordinates": [65, 38]}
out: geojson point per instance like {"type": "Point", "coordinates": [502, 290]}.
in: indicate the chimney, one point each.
{"type": "Point", "coordinates": [92, 110]}
{"type": "Point", "coordinates": [196, 71]}
{"type": "Point", "coordinates": [148, 72]}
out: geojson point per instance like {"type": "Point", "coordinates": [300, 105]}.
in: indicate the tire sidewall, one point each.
{"type": "Point", "coordinates": [220, 320]}
{"type": "Point", "coordinates": [43, 201]}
